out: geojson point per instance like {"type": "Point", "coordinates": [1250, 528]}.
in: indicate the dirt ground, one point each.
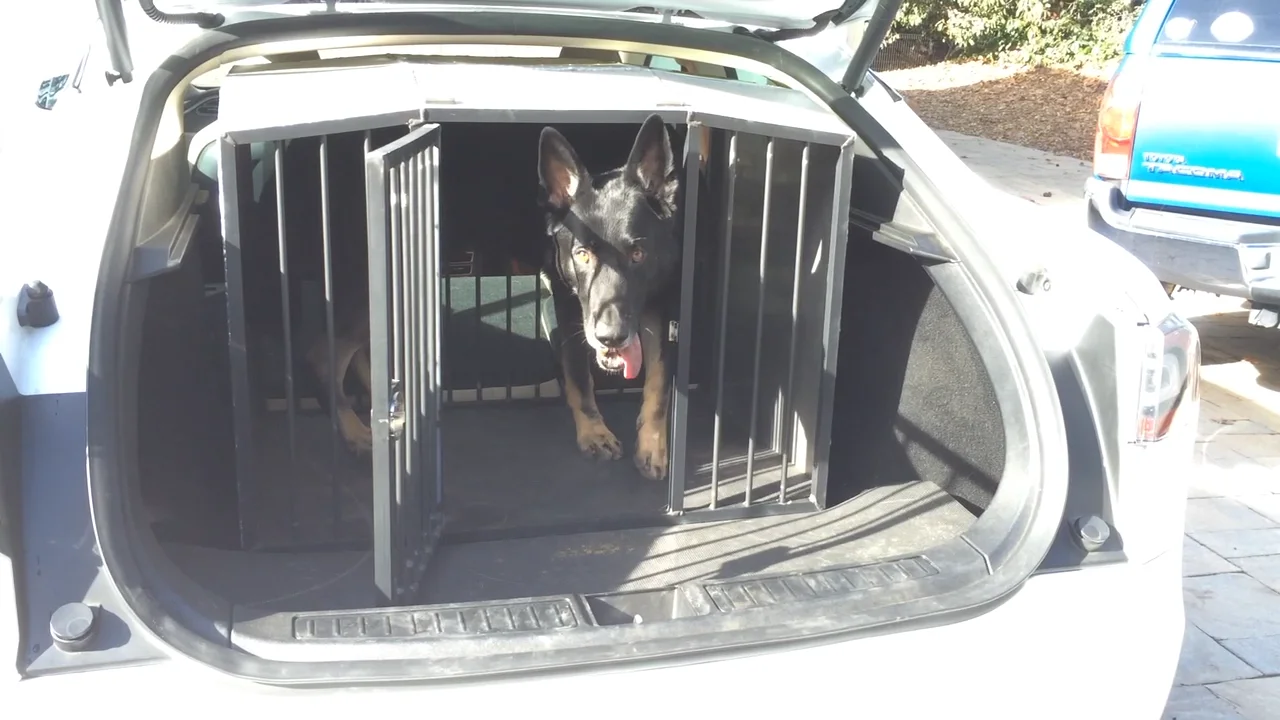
{"type": "Point", "coordinates": [1050, 109]}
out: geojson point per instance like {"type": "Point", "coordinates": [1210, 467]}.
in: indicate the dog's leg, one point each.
{"type": "Point", "coordinates": [651, 425]}
{"type": "Point", "coordinates": [364, 373]}
{"type": "Point", "coordinates": [595, 439]}
{"type": "Point", "coordinates": [358, 435]}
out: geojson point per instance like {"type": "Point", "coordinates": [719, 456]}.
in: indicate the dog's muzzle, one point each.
{"type": "Point", "coordinates": [626, 358]}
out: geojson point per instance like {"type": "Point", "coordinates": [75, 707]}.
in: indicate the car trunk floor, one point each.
{"type": "Point", "coordinates": [881, 523]}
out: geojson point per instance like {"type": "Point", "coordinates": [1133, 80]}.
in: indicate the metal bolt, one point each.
{"type": "Point", "coordinates": [36, 306]}
{"type": "Point", "coordinates": [1092, 532]}
{"type": "Point", "coordinates": [72, 626]}
{"type": "Point", "coordinates": [1034, 282]}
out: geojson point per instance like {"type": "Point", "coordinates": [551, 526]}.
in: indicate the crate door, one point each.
{"type": "Point", "coordinates": [404, 312]}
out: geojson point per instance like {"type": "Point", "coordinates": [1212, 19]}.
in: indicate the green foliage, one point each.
{"type": "Point", "coordinates": [1050, 32]}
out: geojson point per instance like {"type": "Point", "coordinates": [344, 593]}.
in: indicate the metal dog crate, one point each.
{"type": "Point", "coordinates": [463, 451]}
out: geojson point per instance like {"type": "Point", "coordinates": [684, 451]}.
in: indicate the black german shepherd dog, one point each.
{"type": "Point", "coordinates": [612, 257]}
{"type": "Point", "coordinates": [611, 262]}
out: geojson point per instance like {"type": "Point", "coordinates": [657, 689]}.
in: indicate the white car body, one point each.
{"type": "Point", "coordinates": [1093, 642]}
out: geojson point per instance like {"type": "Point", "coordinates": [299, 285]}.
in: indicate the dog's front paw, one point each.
{"type": "Point", "coordinates": [651, 450]}
{"type": "Point", "coordinates": [596, 440]}
{"type": "Point", "coordinates": [359, 436]}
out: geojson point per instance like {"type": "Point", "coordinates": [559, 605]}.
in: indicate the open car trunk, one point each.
{"type": "Point", "coordinates": [514, 510]}
{"type": "Point", "coordinates": [835, 427]}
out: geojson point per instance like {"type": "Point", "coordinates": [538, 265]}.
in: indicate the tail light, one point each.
{"type": "Point", "coordinates": [1170, 375]}
{"type": "Point", "coordinates": [1118, 120]}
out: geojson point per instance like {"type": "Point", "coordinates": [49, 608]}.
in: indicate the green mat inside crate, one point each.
{"type": "Point", "coordinates": [480, 351]}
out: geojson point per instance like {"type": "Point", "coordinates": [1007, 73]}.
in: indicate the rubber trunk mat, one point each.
{"type": "Point", "coordinates": [882, 523]}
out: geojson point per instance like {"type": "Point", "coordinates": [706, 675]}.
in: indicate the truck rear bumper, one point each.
{"type": "Point", "coordinates": [1229, 257]}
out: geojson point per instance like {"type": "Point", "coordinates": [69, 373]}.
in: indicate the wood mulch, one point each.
{"type": "Point", "coordinates": [1050, 109]}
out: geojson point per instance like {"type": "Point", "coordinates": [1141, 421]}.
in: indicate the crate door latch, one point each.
{"type": "Point", "coordinates": [395, 411]}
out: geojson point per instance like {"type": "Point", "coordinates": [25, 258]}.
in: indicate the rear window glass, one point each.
{"type": "Point", "coordinates": [1240, 24]}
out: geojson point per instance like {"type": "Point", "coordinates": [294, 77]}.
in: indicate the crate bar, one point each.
{"type": "Point", "coordinates": [436, 356]}
{"type": "Point", "coordinates": [787, 419]}
{"type": "Point", "coordinates": [409, 305]}
{"type": "Point", "coordinates": [447, 366]}
{"type": "Point", "coordinates": [396, 401]}
{"type": "Point", "coordinates": [409, 504]}
{"type": "Point", "coordinates": [426, 330]}
{"type": "Point", "coordinates": [537, 323]}
{"type": "Point", "coordinates": [384, 521]}
{"type": "Point", "coordinates": [417, 399]}
{"type": "Point", "coordinates": [510, 341]}
{"type": "Point", "coordinates": [831, 329]}
{"type": "Point", "coordinates": [237, 340]}
{"type": "Point", "coordinates": [722, 322]}
{"type": "Point", "coordinates": [679, 431]}
{"type": "Point", "coordinates": [335, 436]}
{"type": "Point", "coordinates": [424, 422]}
{"type": "Point", "coordinates": [755, 372]}
{"type": "Point", "coordinates": [419, 335]}
{"type": "Point", "coordinates": [475, 272]}
{"type": "Point", "coordinates": [291, 406]}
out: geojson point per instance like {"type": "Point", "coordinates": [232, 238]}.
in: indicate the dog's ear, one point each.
{"type": "Point", "coordinates": [652, 162]}
{"type": "Point", "coordinates": [559, 169]}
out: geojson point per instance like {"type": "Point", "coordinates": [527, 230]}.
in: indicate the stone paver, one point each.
{"type": "Point", "coordinates": [1241, 543]}
{"type": "Point", "coordinates": [1220, 471]}
{"type": "Point", "coordinates": [1255, 699]}
{"type": "Point", "coordinates": [1265, 570]}
{"type": "Point", "coordinates": [1266, 505]}
{"type": "Point", "coordinates": [1262, 653]}
{"type": "Point", "coordinates": [1204, 661]}
{"type": "Point", "coordinates": [1221, 513]}
{"type": "Point", "coordinates": [1200, 560]}
{"type": "Point", "coordinates": [1232, 606]}
{"type": "Point", "coordinates": [1196, 702]}
{"type": "Point", "coordinates": [1230, 665]}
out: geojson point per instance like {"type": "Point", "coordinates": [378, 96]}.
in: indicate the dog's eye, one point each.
{"type": "Point", "coordinates": [582, 255]}
{"type": "Point", "coordinates": [637, 255]}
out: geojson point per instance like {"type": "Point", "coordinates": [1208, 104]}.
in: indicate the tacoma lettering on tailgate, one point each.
{"type": "Point", "coordinates": [1169, 163]}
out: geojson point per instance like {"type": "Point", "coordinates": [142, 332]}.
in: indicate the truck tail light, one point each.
{"type": "Point", "coordinates": [1170, 376]}
{"type": "Point", "coordinates": [1118, 120]}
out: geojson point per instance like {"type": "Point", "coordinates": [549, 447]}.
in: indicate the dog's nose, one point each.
{"type": "Point", "coordinates": [610, 335]}
{"type": "Point", "coordinates": [609, 329]}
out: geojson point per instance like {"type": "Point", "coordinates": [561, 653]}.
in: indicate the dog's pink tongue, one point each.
{"type": "Point", "coordinates": [632, 358]}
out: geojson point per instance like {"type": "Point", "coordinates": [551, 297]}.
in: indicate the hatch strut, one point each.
{"type": "Point", "coordinates": [111, 14]}
{"type": "Point", "coordinates": [877, 30]}
{"type": "Point", "coordinates": [112, 17]}
{"type": "Point", "coordinates": [883, 13]}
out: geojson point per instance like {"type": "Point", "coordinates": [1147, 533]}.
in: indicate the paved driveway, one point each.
{"type": "Point", "coordinates": [1230, 667]}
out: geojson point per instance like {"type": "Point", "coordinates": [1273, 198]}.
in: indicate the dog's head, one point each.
{"type": "Point", "coordinates": [614, 235]}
